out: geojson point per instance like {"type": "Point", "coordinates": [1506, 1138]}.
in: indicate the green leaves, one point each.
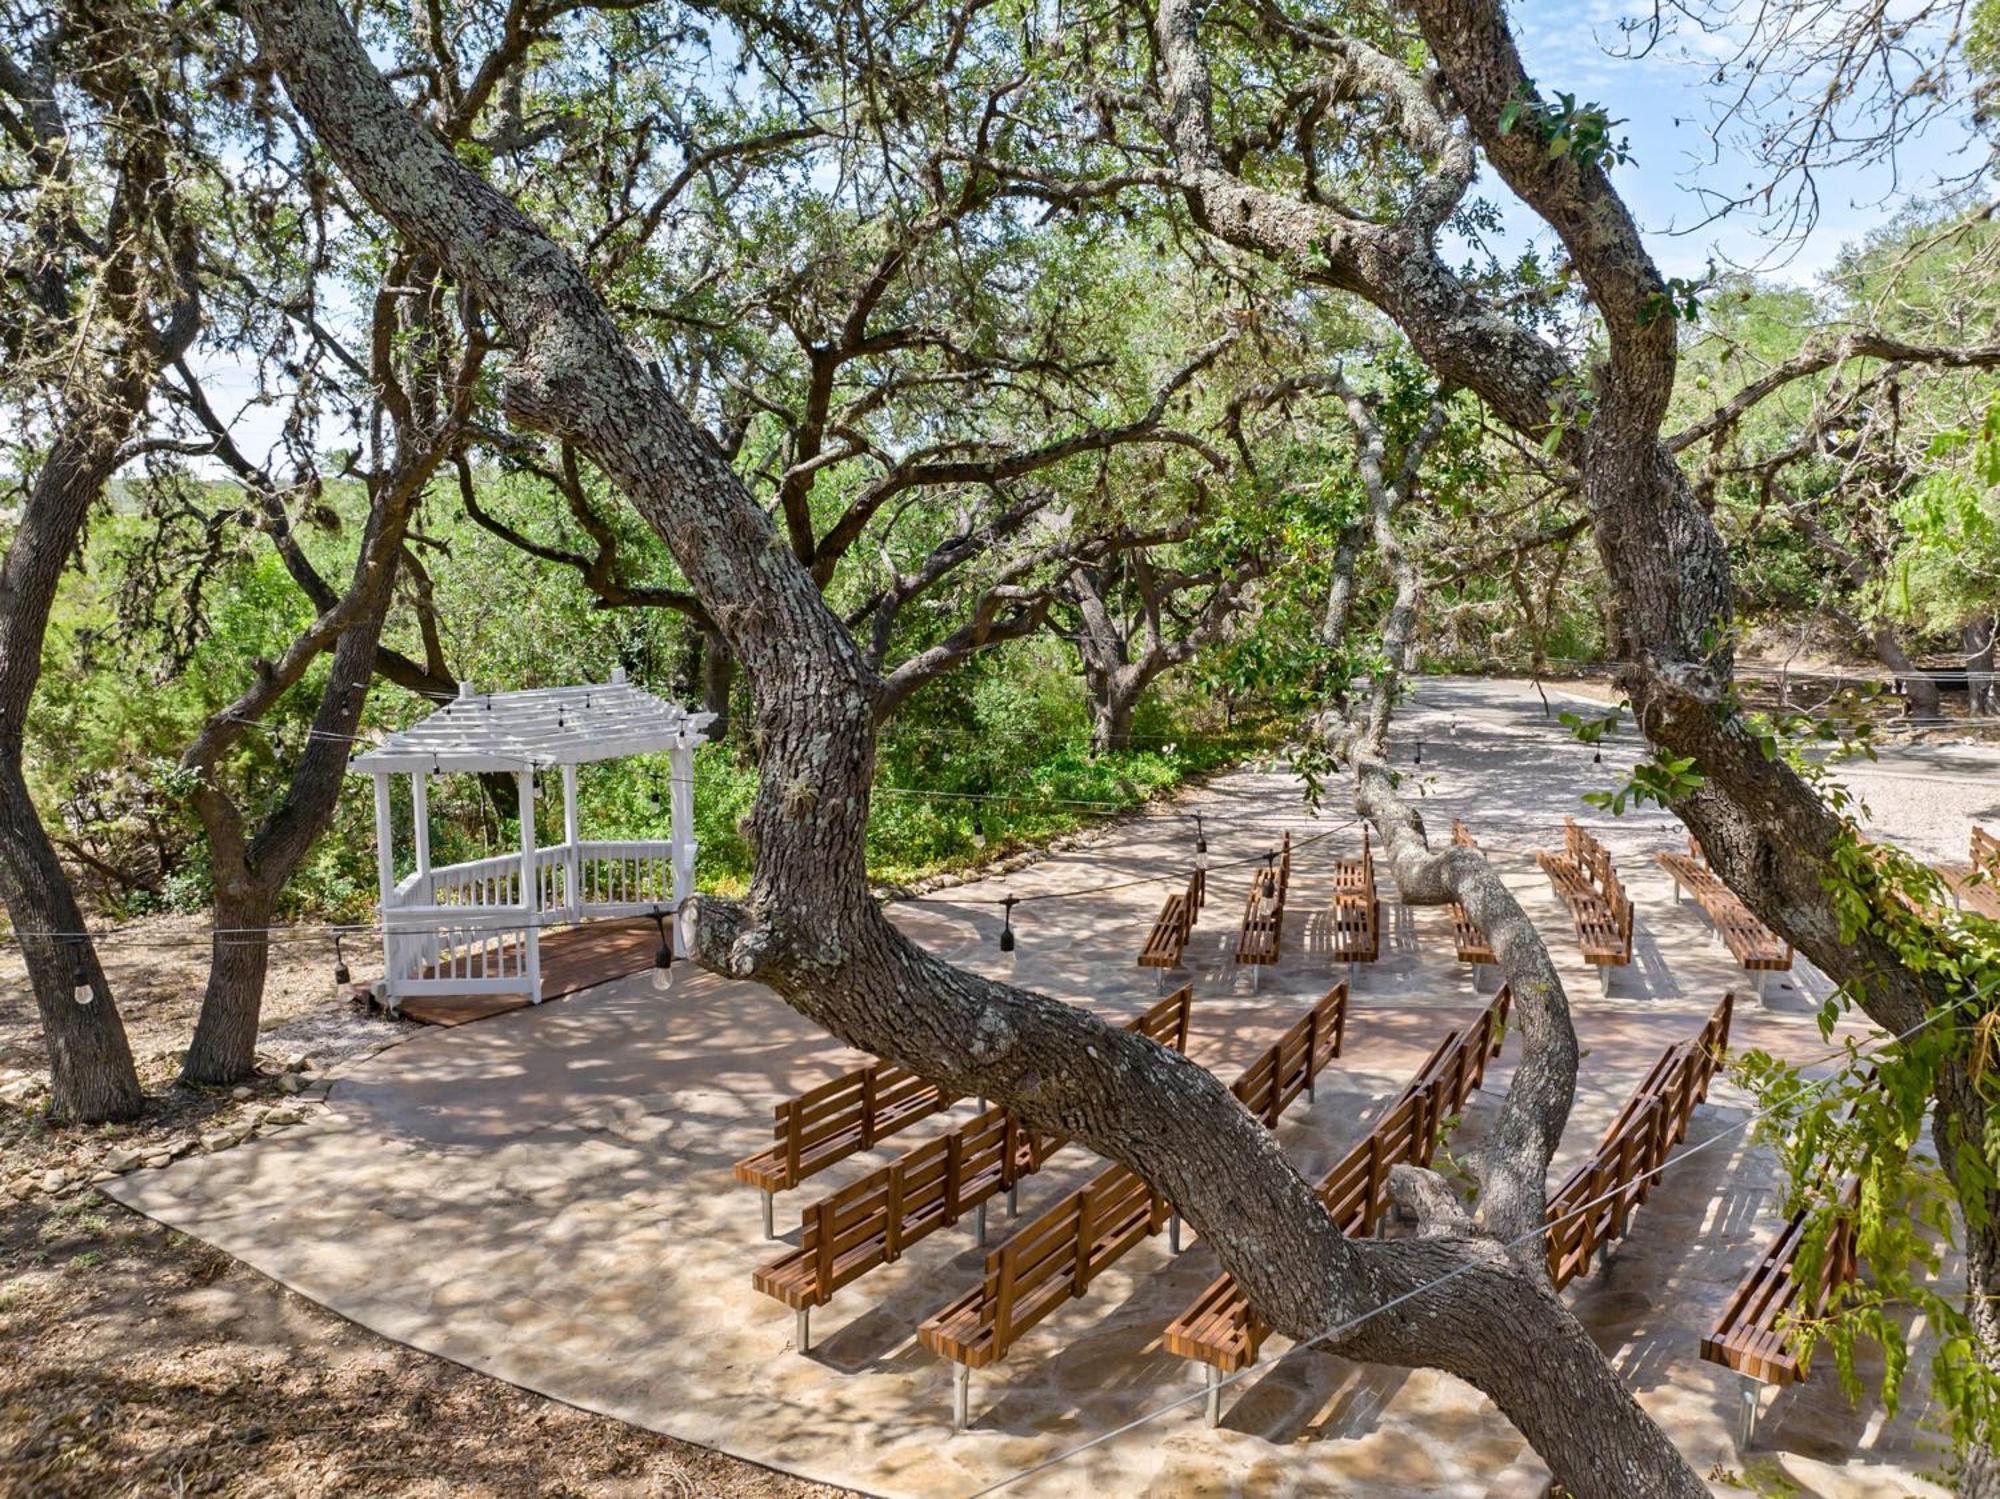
{"type": "Point", "coordinates": [1582, 132]}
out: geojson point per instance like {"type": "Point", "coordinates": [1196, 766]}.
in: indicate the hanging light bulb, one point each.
{"type": "Point", "coordinates": [79, 979]}
{"type": "Point", "coordinates": [341, 977]}
{"type": "Point", "coordinates": [1007, 924]}
{"type": "Point", "coordinates": [978, 832]}
{"type": "Point", "coordinates": [663, 956]}
{"type": "Point", "coordinates": [1200, 844]}
{"type": "Point", "coordinates": [1420, 753]}
{"type": "Point", "coordinates": [1598, 757]}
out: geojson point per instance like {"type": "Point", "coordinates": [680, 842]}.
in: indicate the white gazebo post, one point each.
{"type": "Point", "coordinates": [420, 815]}
{"type": "Point", "coordinates": [680, 830]}
{"type": "Point", "coordinates": [573, 838]}
{"type": "Point", "coordinates": [385, 868]}
{"type": "Point", "coordinates": [531, 944]}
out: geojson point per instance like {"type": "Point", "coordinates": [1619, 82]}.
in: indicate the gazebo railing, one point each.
{"type": "Point", "coordinates": [463, 928]}
{"type": "Point", "coordinates": [624, 878]}
{"type": "Point", "coordinates": [436, 949]}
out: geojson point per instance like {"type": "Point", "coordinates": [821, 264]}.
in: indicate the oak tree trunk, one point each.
{"type": "Point", "coordinates": [224, 1049]}
{"type": "Point", "coordinates": [90, 1062]}
{"type": "Point", "coordinates": [718, 682]}
{"type": "Point", "coordinates": [1920, 693]}
{"type": "Point", "coordinates": [1982, 692]}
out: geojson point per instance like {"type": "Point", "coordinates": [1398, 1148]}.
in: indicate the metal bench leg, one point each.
{"type": "Point", "coordinates": [1159, 980]}
{"type": "Point", "coordinates": [1748, 1430]}
{"type": "Point", "coordinates": [1214, 1393]}
{"type": "Point", "coordinates": [1256, 976]}
{"type": "Point", "coordinates": [1014, 1201]}
{"type": "Point", "coordinates": [804, 1335]}
{"type": "Point", "coordinates": [961, 1396]}
{"type": "Point", "coordinates": [1759, 976]}
{"type": "Point", "coordinates": [1604, 980]}
{"type": "Point", "coordinates": [979, 1224]}
{"type": "Point", "coordinates": [770, 1230]}
{"type": "Point", "coordinates": [1174, 1233]}
{"type": "Point", "coordinates": [1350, 975]}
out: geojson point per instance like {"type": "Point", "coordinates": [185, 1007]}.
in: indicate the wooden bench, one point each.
{"type": "Point", "coordinates": [1261, 940]}
{"type": "Point", "coordinates": [1582, 875]}
{"type": "Point", "coordinates": [1357, 914]}
{"type": "Point", "coordinates": [1056, 1257]}
{"type": "Point", "coordinates": [1976, 886]}
{"type": "Point", "coordinates": [1758, 949]}
{"type": "Point", "coordinates": [1169, 936]}
{"type": "Point", "coordinates": [870, 1222]}
{"type": "Point", "coordinates": [1592, 1209]}
{"type": "Point", "coordinates": [1471, 943]}
{"type": "Point", "coordinates": [827, 1124]}
{"type": "Point", "coordinates": [1757, 1331]}
{"type": "Point", "coordinates": [1293, 1064]}
{"type": "Point", "coordinates": [1221, 1329]}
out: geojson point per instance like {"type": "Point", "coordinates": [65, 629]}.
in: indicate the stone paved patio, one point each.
{"type": "Point", "coordinates": [546, 1196]}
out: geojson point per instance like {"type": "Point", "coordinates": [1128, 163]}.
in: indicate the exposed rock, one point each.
{"type": "Point", "coordinates": [239, 1094]}
{"type": "Point", "coordinates": [217, 1139]}
{"type": "Point", "coordinates": [54, 1178]}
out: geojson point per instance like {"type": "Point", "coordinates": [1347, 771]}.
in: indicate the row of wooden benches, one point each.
{"type": "Point", "coordinates": [1581, 874]}
{"type": "Point", "coordinates": [825, 1125]}
{"type": "Point", "coordinates": [1055, 1257]}
{"type": "Point", "coordinates": [1355, 918]}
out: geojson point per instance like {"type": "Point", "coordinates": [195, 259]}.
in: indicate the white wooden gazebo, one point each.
{"type": "Point", "coordinates": [473, 928]}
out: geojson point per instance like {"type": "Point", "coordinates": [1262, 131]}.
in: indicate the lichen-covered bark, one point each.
{"type": "Point", "coordinates": [809, 927]}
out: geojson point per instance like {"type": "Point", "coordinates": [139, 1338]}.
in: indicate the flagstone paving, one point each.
{"type": "Point", "coordinates": [546, 1196]}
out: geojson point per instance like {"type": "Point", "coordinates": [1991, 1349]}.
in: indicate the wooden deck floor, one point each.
{"type": "Point", "coordinates": [574, 958]}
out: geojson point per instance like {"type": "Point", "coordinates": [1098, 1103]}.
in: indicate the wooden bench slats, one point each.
{"type": "Point", "coordinates": [870, 1222]}
{"type": "Point", "coordinates": [1261, 939]}
{"type": "Point", "coordinates": [1357, 913]}
{"type": "Point", "coordinates": [1289, 1067]}
{"type": "Point", "coordinates": [1756, 1333]}
{"type": "Point", "coordinates": [1977, 885]}
{"type": "Point", "coordinates": [1599, 909]}
{"type": "Point", "coordinates": [1056, 1257]}
{"type": "Point", "coordinates": [1754, 946]}
{"type": "Point", "coordinates": [1220, 1328]}
{"type": "Point", "coordinates": [1175, 925]}
{"type": "Point", "coordinates": [1465, 934]}
{"type": "Point", "coordinates": [829, 1123]}
{"type": "Point", "coordinates": [1594, 1206]}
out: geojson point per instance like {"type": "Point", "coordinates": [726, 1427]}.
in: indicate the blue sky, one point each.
{"type": "Point", "coordinates": [1667, 102]}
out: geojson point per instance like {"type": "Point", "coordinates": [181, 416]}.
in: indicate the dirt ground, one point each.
{"type": "Point", "coordinates": [136, 1360]}
{"type": "Point", "coordinates": [157, 966]}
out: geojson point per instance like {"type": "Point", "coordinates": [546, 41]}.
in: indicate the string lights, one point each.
{"type": "Point", "coordinates": [979, 832]}
{"type": "Point", "coordinates": [1007, 922]}
{"type": "Point", "coordinates": [342, 977]}
{"type": "Point", "coordinates": [1200, 845]}
{"type": "Point", "coordinates": [79, 977]}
